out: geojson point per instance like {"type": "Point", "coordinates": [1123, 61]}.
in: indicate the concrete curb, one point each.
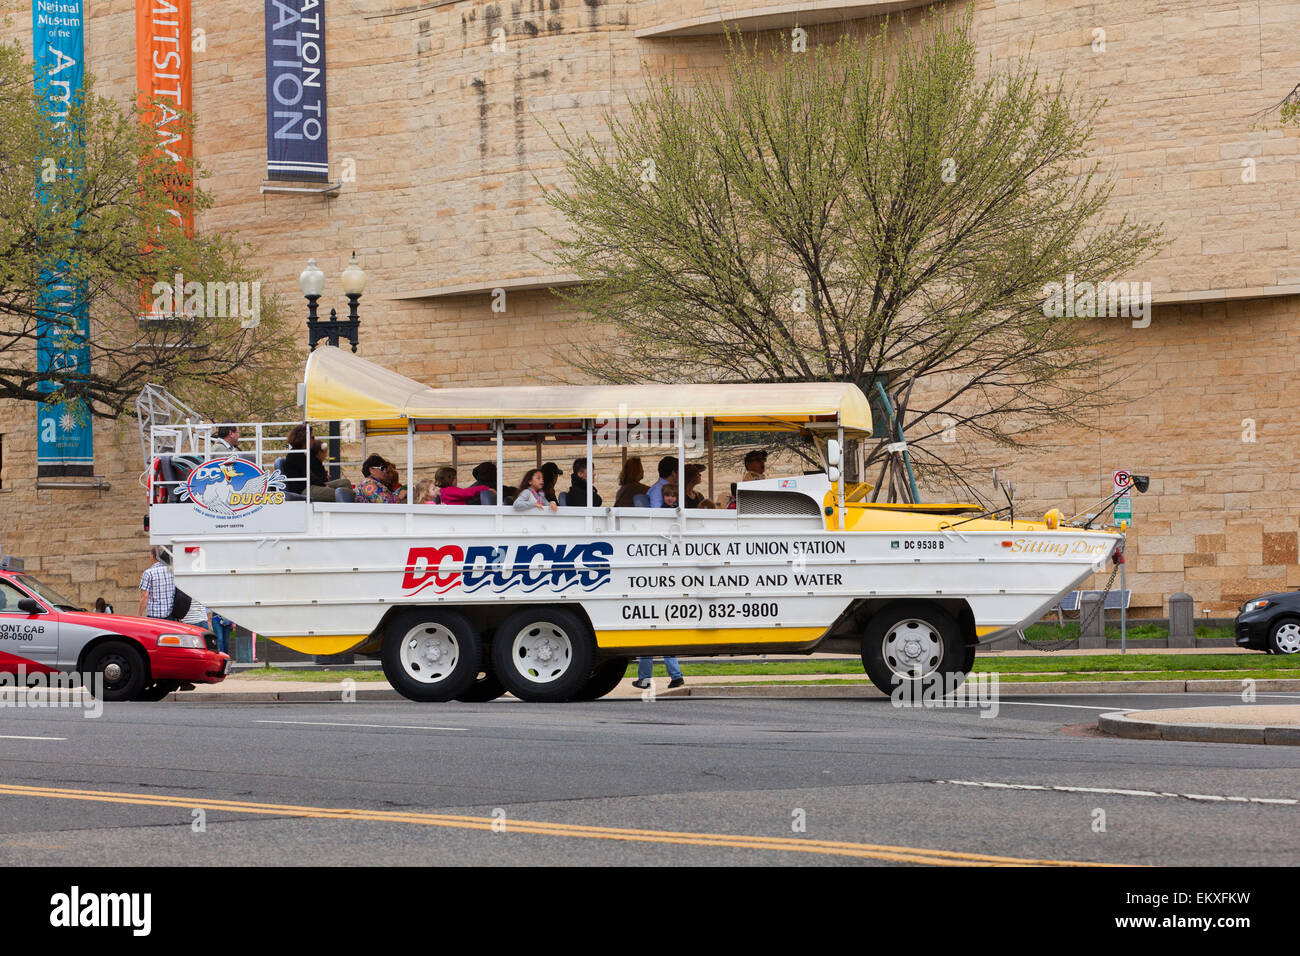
{"type": "Point", "coordinates": [862, 689]}
{"type": "Point", "coordinates": [1120, 725]}
{"type": "Point", "coordinates": [306, 695]}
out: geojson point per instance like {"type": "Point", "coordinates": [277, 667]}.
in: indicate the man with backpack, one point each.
{"type": "Point", "coordinates": [160, 598]}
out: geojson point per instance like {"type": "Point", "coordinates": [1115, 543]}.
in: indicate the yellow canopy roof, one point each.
{"type": "Point", "coordinates": [341, 385]}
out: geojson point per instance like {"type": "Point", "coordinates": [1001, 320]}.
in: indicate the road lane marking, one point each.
{"type": "Point", "coordinates": [896, 854]}
{"type": "Point", "coordinates": [331, 723]}
{"type": "Point", "coordinates": [1117, 792]}
{"type": "Point", "coordinates": [1026, 703]}
{"type": "Point", "coordinates": [15, 737]}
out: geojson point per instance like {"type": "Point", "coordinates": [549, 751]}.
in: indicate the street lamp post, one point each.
{"type": "Point", "coordinates": [333, 329]}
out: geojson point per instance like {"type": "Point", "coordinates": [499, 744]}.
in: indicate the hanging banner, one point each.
{"type": "Point", "coordinates": [163, 77]}
{"type": "Point", "coordinates": [64, 440]}
{"type": "Point", "coordinates": [297, 146]}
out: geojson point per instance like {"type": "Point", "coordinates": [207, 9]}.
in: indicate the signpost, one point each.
{"type": "Point", "coordinates": [1123, 481]}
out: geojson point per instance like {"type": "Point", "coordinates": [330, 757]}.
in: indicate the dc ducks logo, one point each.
{"type": "Point", "coordinates": [233, 486]}
{"type": "Point", "coordinates": [555, 566]}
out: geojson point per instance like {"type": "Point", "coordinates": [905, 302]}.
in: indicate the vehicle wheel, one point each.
{"type": "Point", "coordinates": [1284, 637]}
{"type": "Point", "coordinates": [543, 654]}
{"type": "Point", "coordinates": [968, 661]}
{"type": "Point", "coordinates": [485, 687]}
{"type": "Point", "coordinates": [430, 654]}
{"type": "Point", "coordinates": [159, 689]}
{"type": "Point", "coordinates": [912, 642]}
{"type": "Point", "coordinates": [607, 675]}
{"type": "Point", "coordinates": [121, 668]}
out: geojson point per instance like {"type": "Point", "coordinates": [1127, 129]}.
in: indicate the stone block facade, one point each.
{"type": "Point", "coordinates": [441, 123]}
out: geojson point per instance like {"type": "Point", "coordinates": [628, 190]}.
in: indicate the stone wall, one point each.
{"type": "Point", "coordinates": [449, 143]}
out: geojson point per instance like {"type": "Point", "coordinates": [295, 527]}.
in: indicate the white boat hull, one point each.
{"type": "Point", "coordinates": [726, 583]}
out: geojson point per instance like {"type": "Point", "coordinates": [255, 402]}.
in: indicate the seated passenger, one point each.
{"type": "Point", "coordinates": [669, 496]}
{"type": "Point", "coordinates": [629, 484]}
{"type": "Point", "coordinates": [485, 479]}
{"type": "Point", "coordinates": [532, 496]}
{"type": "Point", "coordinates": [755, 466]}
{"type": "Point", "coordinates": [226, 440]}
{"type": "Point", "coordinates": [577, 496]}
{"type": "Point", "coordinates": [300, 462]}
{"type": "Point", "coordinates": [694, 475]}
{"type": "Point", "coordinates": [426, 492]}
{"type": "Point", "coordinates": [667, 475]}
{"type": "Point", "coordinates": [551, 473]}
{"type": "Point", "coordinates": [444, 477]}
{"type": "Point", "coordinates": [379, 484]}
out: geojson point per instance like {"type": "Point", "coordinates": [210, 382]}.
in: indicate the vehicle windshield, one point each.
{"type": "Point", "coordinates": [47, 594]}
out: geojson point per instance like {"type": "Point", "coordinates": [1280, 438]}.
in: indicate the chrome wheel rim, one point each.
{"type": "Point", "coordinates": [542, 652]}
{"type": "Point", "coordinates": [430, 653]}
{"type": "Point", "coordinates": [912, 648]}
{"type": "Point", "coordinates": [1287, 638]}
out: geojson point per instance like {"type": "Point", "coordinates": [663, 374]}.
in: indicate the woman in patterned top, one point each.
{"type": "Point", "coordinates": [380, 483]}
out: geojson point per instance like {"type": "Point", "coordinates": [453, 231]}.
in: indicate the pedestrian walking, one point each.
{"type": "Point", "coordinates": [645, 671]}
{"type": "Point", "coordinates": [158, 593]}
{"type": "Point", "coordinates": [223, 628]}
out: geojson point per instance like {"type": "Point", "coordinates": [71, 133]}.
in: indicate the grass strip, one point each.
{"type": "Point", "coordinates": [1034, 679]}
{"type": "Point", "coordinates": [1081, 667]}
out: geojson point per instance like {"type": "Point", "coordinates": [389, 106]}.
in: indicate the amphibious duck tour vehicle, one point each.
{"type": "Point", "coordinates": [470, 601]}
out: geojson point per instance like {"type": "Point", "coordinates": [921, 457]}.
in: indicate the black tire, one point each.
{"type": "Point", "coordinates": [159, 689]}
{"type": "Point", "coordinates": [121, 667]}
{"type": "Point", "coordinates": [1284, 636]}
{"type": "Point", "coordinates": [486, 687]}
{"type": "Point", "coordinates": [939, 649]}
{"type": "Point", "coordinates": [607, 675]}
{"type": "Point", "coordinates": [968, 662]}
{"type": "Point", "coordinates": [543, 654]}
{"type": "Point", "coordinates": [431, 654]}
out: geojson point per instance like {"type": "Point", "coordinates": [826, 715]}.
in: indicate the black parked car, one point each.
{"type": "Point", "coordinates": [1271, 623]}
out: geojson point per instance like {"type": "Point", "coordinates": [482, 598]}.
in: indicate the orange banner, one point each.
{"type": "Point", "coordinates": [163, 75]}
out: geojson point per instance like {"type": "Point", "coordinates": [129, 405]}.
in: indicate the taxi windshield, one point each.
{"type": "Point", "coordinates": [46, 594]}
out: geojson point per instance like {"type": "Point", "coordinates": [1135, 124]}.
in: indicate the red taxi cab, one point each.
{"type": "Point", "coordinates": [134, 658]}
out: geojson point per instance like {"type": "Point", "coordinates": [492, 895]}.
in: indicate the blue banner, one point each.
{"type": "Point", "coordinates": [297, 145]}
{"type": "Point", "coordinates": [64, 439]}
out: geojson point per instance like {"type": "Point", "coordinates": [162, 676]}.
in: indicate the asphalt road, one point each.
{"type": "Point", "coordinates": [680, 781]}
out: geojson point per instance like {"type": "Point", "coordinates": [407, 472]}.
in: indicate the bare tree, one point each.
{"type": "Point", "coordinates": [873, 210]}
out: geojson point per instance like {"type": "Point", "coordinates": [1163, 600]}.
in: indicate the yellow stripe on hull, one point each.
{"type": "Point", "coordinates": [322, 644]}
{"type": "Point", "coordinates": [985, 630]}
{"type": "Point", "coordinates": [688, 637]}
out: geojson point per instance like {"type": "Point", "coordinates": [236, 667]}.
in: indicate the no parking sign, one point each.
{"type": "Point", "coordinates": [1123, 482]}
